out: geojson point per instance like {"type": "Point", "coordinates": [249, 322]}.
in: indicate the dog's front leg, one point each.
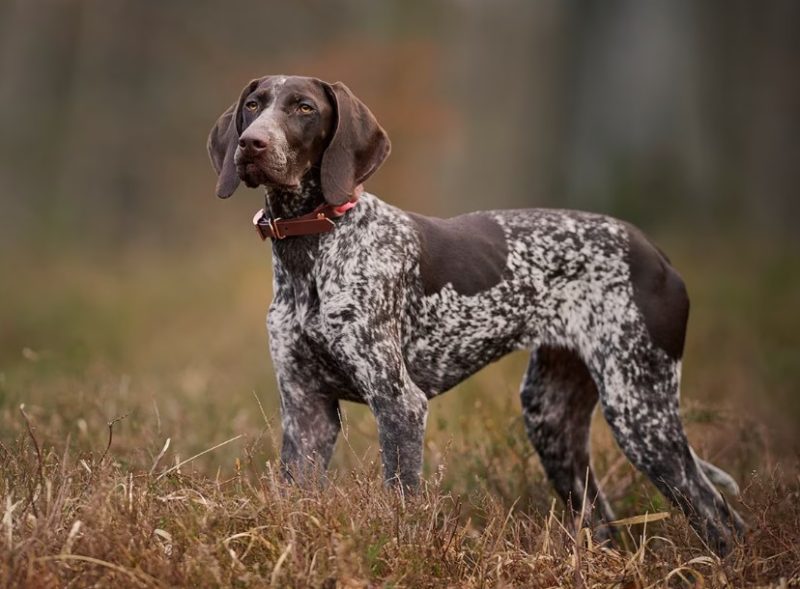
{"type": "Point", "coordinates": [373, 357]}
{"type": "Point", "coordinates": [401, 412]}
{"type": "Point", "coordinates": [310, 427]}
{"type": "Point", "coordinates": [309, 405]}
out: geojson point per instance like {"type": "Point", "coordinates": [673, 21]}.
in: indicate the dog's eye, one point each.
{"type": "Point", "coordinates": [251, 105]}
{"type": "Point", "coordinates": [305, 108]}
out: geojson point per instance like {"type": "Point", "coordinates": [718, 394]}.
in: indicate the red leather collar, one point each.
{"type": "Point", "coordinates": [317, 221]}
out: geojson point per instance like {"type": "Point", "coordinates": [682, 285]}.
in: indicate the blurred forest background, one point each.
{"type": "Point", "coordinates": [127, 287]}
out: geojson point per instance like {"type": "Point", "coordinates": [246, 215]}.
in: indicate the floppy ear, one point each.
{"type": "Point", "coordinates": [221, 145]}
{"type": "Point", "coordinates": [222, 142]}
{"type": "Point", "coordinates": [357, 149]}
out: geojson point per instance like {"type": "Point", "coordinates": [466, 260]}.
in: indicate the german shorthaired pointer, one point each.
{"type": "Point", "coordinates": [389, 308]}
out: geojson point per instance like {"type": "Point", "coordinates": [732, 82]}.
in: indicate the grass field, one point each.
{"type": "Point", "coordinates": [170, 346]}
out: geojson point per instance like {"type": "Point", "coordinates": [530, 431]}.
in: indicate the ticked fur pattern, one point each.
{"type": "Point", "coordinates": [351, 320]}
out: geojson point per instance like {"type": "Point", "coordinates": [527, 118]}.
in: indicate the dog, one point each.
{"type": "Point", "coordinates": [376, 305]}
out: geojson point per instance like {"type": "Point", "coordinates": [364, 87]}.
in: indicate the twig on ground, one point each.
{"type": "Point", "coordinates": [159, 457]}
{"type": "Point", "coordinates": [39, 460]}
{"type": "Point", "coordinates": [198, 455]}
{"type": "Point", "coordinates": [111, 434]}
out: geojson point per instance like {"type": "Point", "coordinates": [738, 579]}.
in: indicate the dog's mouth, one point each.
{"type": "Point", "coordinates": [256, 173]}
{"type": "Point", "coordinates": [251, 174]}
{"type": "Point", "coordinates": [260, 171]}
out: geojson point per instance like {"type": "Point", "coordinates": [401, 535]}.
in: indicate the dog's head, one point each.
{"type": "Point", "coordinates": [281, 127]}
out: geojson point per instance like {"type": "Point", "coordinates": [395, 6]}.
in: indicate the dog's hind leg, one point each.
{"type": "Point", "coordinates": [718, 476]}
{"type": "Point", "coordinates": [639, 396]}
{"type": "Point", "coordinates": [558, 397]}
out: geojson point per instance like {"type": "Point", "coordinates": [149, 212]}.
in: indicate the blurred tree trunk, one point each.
{"type": "Point", "coordinates": [504, 60]}
{"type": "Point", "coordinates": [37, 51]}
{"type": "Point", "coordinates": [773, 137]}
{"type": "Point", "coordinates": [748, 57]}
{"type": "Point", "coordinates": [109, 154]}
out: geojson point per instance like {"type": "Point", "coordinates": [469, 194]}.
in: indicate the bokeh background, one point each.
{"type": "Point", "coordinates": [127, 288]}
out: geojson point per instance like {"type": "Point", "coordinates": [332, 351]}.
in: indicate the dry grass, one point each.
{"type": "Point", "coordinates": [83, 519]}
{"type": "Point", "coordinates": [174, 342]}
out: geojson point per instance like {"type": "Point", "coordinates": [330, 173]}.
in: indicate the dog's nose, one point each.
{"type": "Point", "coordinates": [252, 144]}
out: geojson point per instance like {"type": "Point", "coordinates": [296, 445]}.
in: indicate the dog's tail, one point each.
{"type": "Point", "coordinates": [717, 476]}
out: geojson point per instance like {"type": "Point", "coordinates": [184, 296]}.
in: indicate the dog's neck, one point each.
{"type": "Point", "coordinates": [287, 202]}
{"type": "Point", "coordinates": [297, 255]}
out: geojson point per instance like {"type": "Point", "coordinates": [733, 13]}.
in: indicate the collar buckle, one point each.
{"type": "Point", "coordinates": [276, 232]}
{"type": "Point", "coordinates": [259, 226]}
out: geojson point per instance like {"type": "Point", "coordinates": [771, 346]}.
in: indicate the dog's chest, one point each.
{"type": "Point", "coordinates": [302, 306]}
